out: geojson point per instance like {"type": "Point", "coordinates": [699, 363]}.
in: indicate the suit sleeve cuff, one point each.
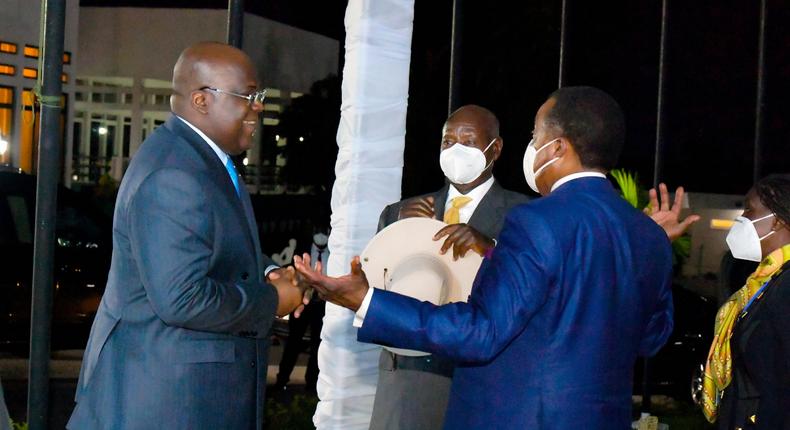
{"type": "Point", "coordinates": [359, 317]}
{"type": "Point", "coordinates": [269, 269]}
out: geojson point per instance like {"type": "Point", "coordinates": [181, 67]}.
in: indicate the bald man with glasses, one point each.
{"type": "Point", "coordinates": [180, 339]}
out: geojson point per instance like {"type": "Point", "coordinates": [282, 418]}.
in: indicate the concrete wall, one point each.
{"type": "Point", "coordinates": [145, 42]}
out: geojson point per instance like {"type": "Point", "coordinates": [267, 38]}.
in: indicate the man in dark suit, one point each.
{"type": "Point", "coordinates": [412, 392]}
{"type": "Point", "coordinates": [181, 336]}
{"type": "Point", "coordinates": [577, 286]}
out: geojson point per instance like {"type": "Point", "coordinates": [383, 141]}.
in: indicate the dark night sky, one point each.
{"type": "Point", "coordinates": [510, 63]}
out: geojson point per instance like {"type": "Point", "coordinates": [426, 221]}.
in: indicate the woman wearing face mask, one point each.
{"type": "Point", "coordinates": [747, 374]}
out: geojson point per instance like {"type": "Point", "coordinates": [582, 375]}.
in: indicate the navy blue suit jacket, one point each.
{"type": "Point", "coordinates": [180, 339]}
{"type": "Point", "coordinates": [578, 286]}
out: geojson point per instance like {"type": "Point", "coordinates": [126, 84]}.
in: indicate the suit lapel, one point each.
{"type": "Point", "coordinates": [219, 175]}
{"type": "Point", "coordinates": [489, 211]}
{"type": "Point", "coordinates": [250, 215]}
{"type": "Point", "coordinates": [439, 200]}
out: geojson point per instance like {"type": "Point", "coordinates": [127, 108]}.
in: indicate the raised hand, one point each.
{"type": "Point", "coordinates": [348, 291]}
{"type": "Point", "coordinates": [666, 216]}
{"type": "Point", "coordinates": [462, 238]}
{"type": "Point", "coordinates": [417, 208]}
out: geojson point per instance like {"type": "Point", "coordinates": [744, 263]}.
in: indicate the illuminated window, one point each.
{"type": "Point", "coordinates": [6, 122]}
{"type": "Point", "coordinates": [7, 69]}
{"type": "Point", "coordinates": [721, 224]}
{"type": "Point", "coordinates": [31, 51]}
{"type": "Point", "coordinates": [67, 57]}
{"type": "Point", "coordinates": [64, 78]}
{"type": "Point", "coordinates": [8, 48]}
{"type": "Point", "coordinates": [30, 73]}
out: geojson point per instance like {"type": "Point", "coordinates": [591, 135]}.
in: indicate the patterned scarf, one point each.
{"type": "Point", "coordinates": [718, 368]}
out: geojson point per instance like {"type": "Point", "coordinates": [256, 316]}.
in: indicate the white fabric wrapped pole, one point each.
{"type": "Point", "coordinates": [368, 170]}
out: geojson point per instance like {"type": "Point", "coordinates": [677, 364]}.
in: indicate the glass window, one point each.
{"type": "Point", "coordinates": [7, 69]}
{"type": "Point", "coordinates": [8, 47]}
{"type": "Point", "coordinates": [6, 122]}
{"type": "Point", "coordinates": [31, 51]}
{"type": "Point", "coordinates": [67, 57]}
{"type": "Point", "coordinates": [21, 219]}
{"type": "Point", "coordinates": [30, 73]}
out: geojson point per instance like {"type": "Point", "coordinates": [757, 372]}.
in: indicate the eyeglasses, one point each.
{"type": "Point", "coordinates": [256, 97]}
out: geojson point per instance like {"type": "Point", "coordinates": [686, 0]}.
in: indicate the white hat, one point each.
{"type": "Point", "coordinates": [404, 258]}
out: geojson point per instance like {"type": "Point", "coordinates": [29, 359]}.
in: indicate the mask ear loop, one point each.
{"type": "Point", "coordinates": [484, 153]}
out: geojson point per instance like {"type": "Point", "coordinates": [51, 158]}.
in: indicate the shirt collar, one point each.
{"type": "Point", "coordinates": [223, 157]}
{"type": "Point", "coordinates": [572, 176]}
{"type": "Point", "coordinates": [477, 193]}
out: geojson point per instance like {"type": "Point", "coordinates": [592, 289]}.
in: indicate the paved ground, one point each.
{"type": "Point", "coordinates": [64, 371]}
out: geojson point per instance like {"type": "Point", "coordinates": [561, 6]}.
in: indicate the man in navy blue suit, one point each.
{"type": "Point", "coordinates": [181, 337]}
{"type": "Point", "coordinates": [577, 286]}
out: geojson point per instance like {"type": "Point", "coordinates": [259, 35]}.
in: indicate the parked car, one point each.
{"type": "Point", "coordinates": [82, 260]}
{"type": "Point", "coordinates": [676, 369]}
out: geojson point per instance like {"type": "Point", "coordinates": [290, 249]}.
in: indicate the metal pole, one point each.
{"type": "Point", "coordinates": [563, 44]}
{"type": "Point", "coordinates": [455, 57]}
{"type": "Point", "coordinates": [53, 14]}
{"type": "Point", "coordinates": [235, 22]}
{"type": "Point", "coordinates": [658, 169]}
{"type": "Point", "coordinates": [760, 108]}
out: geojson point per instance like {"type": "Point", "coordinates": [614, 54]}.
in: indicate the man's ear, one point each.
{"type": "Point", "coordinates": [199, 101]}
{"type": "Point", "coordinates": [563, 148]}
{"type": "Point", "coordinates": [497, 147]}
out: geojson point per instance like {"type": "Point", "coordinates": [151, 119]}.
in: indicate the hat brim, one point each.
{"type": "Point", "coordinates": [404, 258]}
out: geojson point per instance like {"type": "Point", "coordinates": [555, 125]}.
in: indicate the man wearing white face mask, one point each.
{"type": "Point", "coordinates": [412, 392]}
{"type": "Point", "coordinates": [577, 286]}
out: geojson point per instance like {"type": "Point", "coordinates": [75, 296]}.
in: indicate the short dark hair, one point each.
{"type": "Point", "coordinates": [774, 193]}
{"type": "Point", "coordinates": [593, 121]}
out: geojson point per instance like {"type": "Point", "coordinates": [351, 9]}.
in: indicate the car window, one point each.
{"type": "Point", "coordinates": [77, 228]}
{"type": "Point", "coordinates": [15, 224]}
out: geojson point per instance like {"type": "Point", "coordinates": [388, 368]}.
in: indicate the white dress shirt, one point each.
{"type": "Point", "coordinates": [223, 158]}
{"type": "Point", "coordinates": [476, 194]}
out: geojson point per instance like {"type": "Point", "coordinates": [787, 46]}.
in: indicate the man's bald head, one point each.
{"type": "Point", "coordinates": [485, 120]}
{"type": "Point", "coordinates": [199, 65]}
{"type": "Point", "coordinates": [205, 79]}
{"type": "Point", "coordinates": [475, 127]}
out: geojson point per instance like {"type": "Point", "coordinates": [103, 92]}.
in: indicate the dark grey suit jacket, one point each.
{"type": "Point", "coordinates": [487, 218]}
{"type": "Point", "coordinates": [180, 338]}
{"type": "Point", "coordinates": [413, 392]}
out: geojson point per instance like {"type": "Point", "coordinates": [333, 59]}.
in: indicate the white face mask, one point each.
{"type": "Point", "coordinates": [463, 164]}
{"type": "Point", "coordinates": [529, 164]}
{"type": "Point", "coordinates": [743, 240]}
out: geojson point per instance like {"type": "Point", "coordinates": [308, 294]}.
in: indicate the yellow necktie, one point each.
{"type": "Point", "coordinates": [453, 216]}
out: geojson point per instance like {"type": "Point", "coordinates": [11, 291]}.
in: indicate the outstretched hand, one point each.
{"type": "Point", "coordinates": [666, 216]}
{"type": "Point", "coordinates": [462, 238]}
{"type": "Point", "coordinates": [348, 291]}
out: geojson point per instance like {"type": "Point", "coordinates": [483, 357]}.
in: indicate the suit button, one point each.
{"type": "Point", "coordinates": [252, 364]}
{"type": "Point", "coordinates": [245, 276]}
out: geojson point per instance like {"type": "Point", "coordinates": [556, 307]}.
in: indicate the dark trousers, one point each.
{"type": "Point", "coordinates": [312, 316]}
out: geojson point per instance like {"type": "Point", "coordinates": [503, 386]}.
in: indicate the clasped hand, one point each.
{"type": "Point", "coordinates": [460, 237]}
{"type": "Point", "coordinates": [292, 290]}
